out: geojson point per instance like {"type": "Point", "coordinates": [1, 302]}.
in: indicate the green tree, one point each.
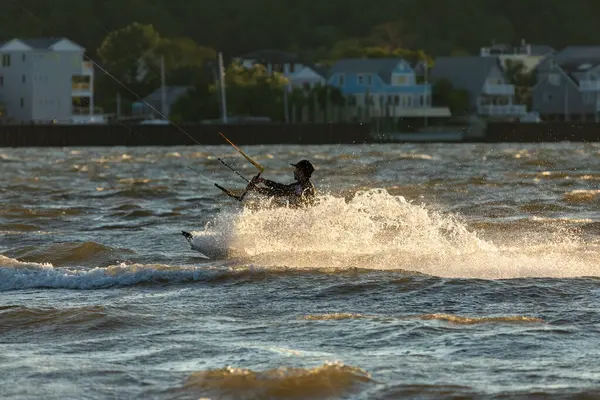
{"type": "Point", "coordinates": [249, 92]}
{"type": "Point", "coordinates": [126, 52]}
{"type": "Point", "coordinates": [516, 73]}
{"type": "Point", "coordinates": [200, 103]}
{"type": "Point", "coordinates": [132, 57]}
{"type": "Point", "coordinates": [443, 94]}
{"type": "Point", "coordinates": [254, 91]}
{"type": "Point", "coordinates": [391, 36]}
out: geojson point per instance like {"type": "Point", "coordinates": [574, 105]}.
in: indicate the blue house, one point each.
{"type": "Point", "coordinates": [384, 86]}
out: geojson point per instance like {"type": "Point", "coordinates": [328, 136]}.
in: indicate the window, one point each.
{"type": "Point", "coordinates": [554, 79]}
{"type": "Point", "coordinates": [23, 79]}
{"type": "Point", "coordinates": [341, 80]}
{"type": "Point", "coordinates": [409, 101]}
{"type": "Point", "coordinates": [400, 79]}
{"type": "Point", "coordinates": [23, 57]}
{"type": "Point", "coordinates": [306, 86]}
{"type": "Point", "coordinates": [547, 96]}
{"type": "Point", "coordinates": [360, 79]}
{"type": "Point", "coordinates": [22, 102]}
{"type": "Point", "coordinates": [369, 79]}
{"type": "Point", "coordinates": [6, 60]}
{"type": "Point", "coordinates": [396, 100]}
{"type": "Point", "coordinates": [1, 81]}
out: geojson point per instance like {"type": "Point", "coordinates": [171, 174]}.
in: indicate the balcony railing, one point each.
{"type": "Point", "coordinates": [589, 86]}
{"type": "Point", "coordinates": [503, 110]}
{"type": "Point", "coordinates": [81, 88]}
{"type": "Point", "coordinates": [498, 89]}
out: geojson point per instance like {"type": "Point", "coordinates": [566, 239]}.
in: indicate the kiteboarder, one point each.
{"type": "Point", "coordinates": [299, 193]}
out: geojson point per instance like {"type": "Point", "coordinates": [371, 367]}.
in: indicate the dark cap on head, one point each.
{"type": "Point", "coordinates": [305, 166]}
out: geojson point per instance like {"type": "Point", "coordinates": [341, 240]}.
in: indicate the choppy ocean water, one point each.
{"type": "Point", "coordinates": [424, 271]}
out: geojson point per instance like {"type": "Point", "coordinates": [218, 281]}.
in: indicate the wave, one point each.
{"type": "Point", "coordinates": [15, 275]}
{"type": "Point", "coordinates": [377, 230]}
{"type": "Point", "coordinates": [72, 253]}
{"type": "Point", "coordinates": [373, 230]}
{"type": "Point", "coordinates": [332, 379]}
{"type": "Point", "coordinates": [21, 317]}
{"type": "Point", "coordinates": [453, 319]}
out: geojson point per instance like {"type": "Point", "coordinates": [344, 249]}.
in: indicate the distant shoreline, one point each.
{"type": "Point", "coordinates": [280, 133]}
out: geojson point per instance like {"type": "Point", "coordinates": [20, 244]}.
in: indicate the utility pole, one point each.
{"type": "Point", "coordinates": [222, 87]}
{"type": "Point", "coordinates": [427, 94]}
{"type": "Point", "coordinates": [163, 88]}
{"type": "Point", "coordinates": [566, 100]}
{"type": "Point", "coordinates": [118, 106]}
{"type": "Point", "coordinates": [286, 114]}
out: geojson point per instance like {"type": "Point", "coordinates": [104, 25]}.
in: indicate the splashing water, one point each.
{"type": "Point", "coordinates": [376, 230]}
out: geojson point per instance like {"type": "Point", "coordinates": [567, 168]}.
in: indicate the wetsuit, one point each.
{"type": "Point", "coordinates": [299, 193]}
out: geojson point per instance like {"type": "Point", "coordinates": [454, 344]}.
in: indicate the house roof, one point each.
{"type": "Point", "coordinates": [43, 43]}
{"type": "Point", "coordinates": [322, 70]}
{"type": "Point", "coordinates": [576, 52]}
{"type": "Point", "coordinates": [172, 93]}
{"type": "Point", "coordinates": [571, 58]}
{"type": "Point", "coordinates": [380, 66]}
{"type": "Point", "coordinates": [271, 55]}
{"type": "Point", "coordinates": [541, 49]}
{"type": "Point", "coordinates": [468, 73]}
{"type": "Point", "coordinates": [40, 43]}
{"type": "Point", "coordinates": [580, 64]}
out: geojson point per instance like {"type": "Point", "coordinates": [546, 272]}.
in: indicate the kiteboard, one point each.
{"type": "Point", "coordinates": [211, 247]}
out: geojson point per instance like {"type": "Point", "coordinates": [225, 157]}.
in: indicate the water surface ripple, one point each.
{"type": "Point", "coordinates": [424, 271]}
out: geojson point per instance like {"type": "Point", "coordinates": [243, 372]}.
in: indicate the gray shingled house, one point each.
{"type": "Point", "coordinates": [490, 94]}
{"type": "Point", "coordinates": [568, 84]}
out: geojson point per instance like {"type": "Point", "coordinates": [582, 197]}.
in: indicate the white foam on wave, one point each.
{"type": "Point", "coordinates": [16, 275]}
{"type": "Point", "coordinates": [377, 230]}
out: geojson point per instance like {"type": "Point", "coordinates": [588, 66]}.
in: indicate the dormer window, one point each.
{"type": "Point", "coordinates": [360, 79]}
{"type": "Point", "coordinates": [399, 79]}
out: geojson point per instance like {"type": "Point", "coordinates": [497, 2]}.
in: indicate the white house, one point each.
{"type": "Point", "coordinates": [44, 80]}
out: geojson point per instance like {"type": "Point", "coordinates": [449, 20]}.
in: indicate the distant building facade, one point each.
{"type": "Point", "coordinates": [385, 87]}
{"type": "Point", "coordinates": [490, 93]}
{"type": "Point", "coordinates": [274, 61]}
{"type": "Point", "coordinates": [44, 80]}
{"type": "Point", "coordinates": [530, 55]}
{"type": "Point", "coordinates": [568, 85]}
